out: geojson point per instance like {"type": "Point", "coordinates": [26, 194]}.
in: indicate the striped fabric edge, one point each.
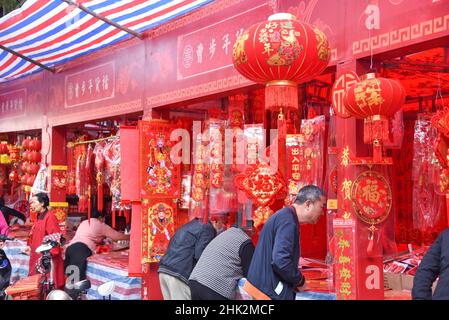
{"type": "Point", "coordinates": [52, 32]}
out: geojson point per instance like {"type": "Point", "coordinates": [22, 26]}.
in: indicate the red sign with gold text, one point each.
{"type": "Point", "coordinates": [210, 48]}
{"type": "Point", "coordinates": [345, 80]}
{"type": "Point", "coordinates": [13, 103]}
{"type": "Point", "coordinates": [345, 276]}
{"type": "Point", "coordinates": [90, 85]}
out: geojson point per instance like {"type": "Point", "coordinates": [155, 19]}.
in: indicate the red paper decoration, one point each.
{"type": "Point", "coordinates": [281, 52]}
{"type": "Point", "coordinates": [372, 201]}
{"type": "Point", "coordinates": [261, 183]}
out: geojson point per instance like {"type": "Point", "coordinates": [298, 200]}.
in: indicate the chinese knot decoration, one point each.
{"type": "Point", "coordinates": [261, 183]}
{"type": "Point", "coordinates": [372, 201]}
{"type": "Point", "coordinates": [281, 52]}
{"type": "Point", "coordinates": [375, 100]}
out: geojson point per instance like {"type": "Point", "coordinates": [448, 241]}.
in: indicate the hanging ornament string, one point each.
{"type": "Point", "coordinates": [438, 93]}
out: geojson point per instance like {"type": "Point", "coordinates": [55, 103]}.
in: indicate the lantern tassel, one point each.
{"type": "Point", "coordinates": [281, 94]}
{"type": "Point", "coordinates": [100, 191]}
{"type": "Point", "coordinates": [89, 204]}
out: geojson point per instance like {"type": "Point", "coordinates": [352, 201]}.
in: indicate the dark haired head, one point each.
{"type": "Point", "coordinates": [96, 214]}
{"type": "Point", "coordinates": [310, 192]}
{"type": "Point", "coordinates": [42, 197]}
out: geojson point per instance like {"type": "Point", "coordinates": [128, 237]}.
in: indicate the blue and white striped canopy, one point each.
{"type": "Point", "coordinates": [52, 32]}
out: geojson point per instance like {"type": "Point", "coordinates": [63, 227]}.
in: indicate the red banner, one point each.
{"type": "Point", "coordinates": [210, 48]}
{"type": "Point", "coordinates": [13, 103]}
{"type": "Point", "coordinates": [160, 185]}
{"type": "Point", "coordinates": [345, 276]}
{"type": "Point", "coordinates": [90, 85]}
{"type": "Point", "coordinates": [160, 177]}
{"type": "Point", "coordinates": [157, 227]}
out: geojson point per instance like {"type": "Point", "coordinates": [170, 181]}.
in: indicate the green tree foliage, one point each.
{"type": "Point", "coordinates": [7, 6]}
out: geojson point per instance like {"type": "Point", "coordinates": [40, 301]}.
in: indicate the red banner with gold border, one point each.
{"type": "Point", "coordinates": [344, 264]}
{"type": "Point", "coordinates": [160, 187]}
{"type": "Point", "coordinates": [157, 226]}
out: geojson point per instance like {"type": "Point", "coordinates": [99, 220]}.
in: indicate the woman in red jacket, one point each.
{"type": "Point", "coordinates": [46, 223]}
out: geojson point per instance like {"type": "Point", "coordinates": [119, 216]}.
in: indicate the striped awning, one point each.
{"type": "Point", "coordinates": [45, 33]}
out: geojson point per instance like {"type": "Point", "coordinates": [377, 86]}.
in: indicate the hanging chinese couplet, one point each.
{"type": "Point", "coordinates": [160, 187]}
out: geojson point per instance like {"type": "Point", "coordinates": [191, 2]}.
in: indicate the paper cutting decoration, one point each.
{"type": "Point", "coordinates": [261, 183]}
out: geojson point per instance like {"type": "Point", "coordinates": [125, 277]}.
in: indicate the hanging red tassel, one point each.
{"type": "Point", "coordinates": [113, 217]}
{"type": "Point", "coordinates": [281, 94]}
{"type": "Point", "coordinates": [100, 191]}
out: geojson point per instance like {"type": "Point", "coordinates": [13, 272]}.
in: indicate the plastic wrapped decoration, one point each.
{"type": "Point", "coordinates": [426, 202]}
{"type": "Point", "coordinates": [40, 183]}
{"type": "Point", "coordinates": [112, 176]}
{"type": "Point", "coordinates": [99, 174]}
{"type": "Point", "coordinates": [396, 131]}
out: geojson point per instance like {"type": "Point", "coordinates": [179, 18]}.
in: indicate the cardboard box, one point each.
{"type": "Point", "coordinates": [407, 281]}
{"type": "Point", "coordinates": [392, 281]}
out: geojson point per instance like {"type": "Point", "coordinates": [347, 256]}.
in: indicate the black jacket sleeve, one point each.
{"type": "Point", "coordinates": [7, 212]}
{"type": "Point", "coordinates": [246, 254]}
{"type": "Point", "coordinates": [283, 264]}
{"type": "Point", "coordinates": [428, 270]}
{"type": "Point", "coordinates": [207, 234]}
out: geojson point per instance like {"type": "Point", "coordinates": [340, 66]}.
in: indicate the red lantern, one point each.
{"type": "Point", "coordinates": [375, 100]}
{"type": "Point", "coordinates": [24, 167]}
{"type": "Point", "coordinates": [26, 143]}
{"type": "Point", "coordinates": [35, 144]}
{"type": "Point", "coordinates": [35, 156]}
{"type": "Point", "coordinates": [30, 180]}
{"type": "Point", "coordinates": [33, 168]}
{"type": "Point", "coordinates": [281, 53]}
{"type": "Point", "coordinates": [25, 155]}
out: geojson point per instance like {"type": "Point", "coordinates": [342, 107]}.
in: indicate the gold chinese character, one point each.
{"type": "Point", "coordinates": [296, 176]}
{"type": "Point", "coordinates": [345, 157]}
{"type": "Point", "coordinates": [370, 192]}
{"type": "Point", "coordinates": [345, 288]}
{"type": "Point", "coordinates": [346, 189]}
{"type": "Point", "coordinates": [374, 96]}
{"type": "Point", "coordinates": [295, 159]}
{"type": "Point", "coordinates": [342, 244]}
{"type": "Point", "coordinates": [345, 274]}
{"type": "Point", "coordinates": [344, 259]}
{"type": "Point", "coordinates": [295, 167]}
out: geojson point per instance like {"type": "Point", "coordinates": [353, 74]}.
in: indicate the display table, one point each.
{"type": "Point", "coordinates": [112, 266]}
{"type": "Point", "coordinates": [19, 261]}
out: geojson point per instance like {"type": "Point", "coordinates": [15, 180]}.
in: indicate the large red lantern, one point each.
{"type": "Point", "coordinates": [375, 100]}
{"type": "Point", "coordinates": [35, 144]}
{"type": "Point", "coordinates": [35, 156]}
{"type": "Point", "coordinates": [281, 52]}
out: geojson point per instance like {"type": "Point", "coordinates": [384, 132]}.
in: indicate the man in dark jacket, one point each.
{"type": "Point", "coordinates": [434, 264]}
{"type": "Point", "coordinates": [183, 252]}
{"type": "Point", "coordinates": [274, 273]}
